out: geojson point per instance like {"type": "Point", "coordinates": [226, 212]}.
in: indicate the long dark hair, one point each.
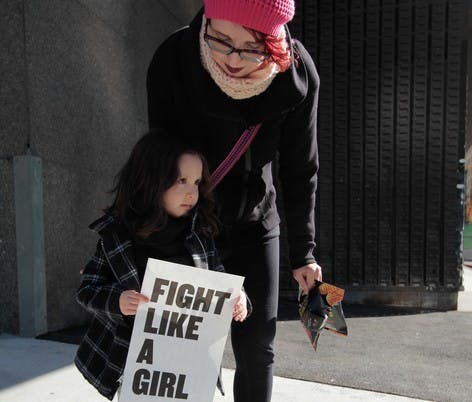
{"type": "Point", "coordinates": [151, 169]}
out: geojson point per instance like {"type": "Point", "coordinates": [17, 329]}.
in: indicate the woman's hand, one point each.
{"type": "Point", "coordinates": [129, 301]}
{"type": "Point", "coordinates": [240, 308]}
{"type": "Point", "coordinates": [306, 276]}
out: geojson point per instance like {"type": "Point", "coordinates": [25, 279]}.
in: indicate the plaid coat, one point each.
{"type": "Point", "coordinates": [101, 356]}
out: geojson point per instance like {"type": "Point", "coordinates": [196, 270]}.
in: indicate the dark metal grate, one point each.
{"type": "Point", "coordinates": [390, 134]}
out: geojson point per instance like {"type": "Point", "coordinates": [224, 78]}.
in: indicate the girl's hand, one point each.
{"type": "Point", "coordinates": [129, 301]}
{"type": "Point", "coordinates": [240, 308]}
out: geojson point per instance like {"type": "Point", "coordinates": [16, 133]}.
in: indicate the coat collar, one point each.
{"type": "Point", "coordinates": [117, 246]}
{"type": "Point", "coordinates": [287, 90]}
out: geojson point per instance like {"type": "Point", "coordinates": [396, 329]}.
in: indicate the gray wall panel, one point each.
{"type": "Point", "coordinates": [13, 139]}
{"type": "Point", "coordinates": [8, 285]}
{"type": "Point", "coordinates": [82, 93]}
{"type": "Point", "coordinates": [75, 74]}
{"type": "Point", "coordinates": [151, 33]}
{"type": "Point", "coordinates": [13, 86]}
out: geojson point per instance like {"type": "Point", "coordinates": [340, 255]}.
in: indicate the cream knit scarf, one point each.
{"type": "Point", "coordinates": [237, 88]}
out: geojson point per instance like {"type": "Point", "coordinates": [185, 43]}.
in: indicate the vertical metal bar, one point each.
{"type": "Point", "coordinates": [386, 142]}
{"type": "Point", "coordinates": [371, 150]}
{"type": "Point", "coordinates": [435, 154]}
{"type": "Point", "coordinates": [402, 146]}
{"type": "Point", "coordinates": [419, 143]}
{"type": "Point", "coordinates": [454, 141]}
{"type": "Point", "coordinates": [356, 143]}
{"type": "Point", "coordinates": [341, 135]}
{"type": "Point", "coordinates": [325, 201]}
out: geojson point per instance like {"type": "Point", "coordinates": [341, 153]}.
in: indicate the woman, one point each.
{"type": "Point", "coordinates": [235, 66]}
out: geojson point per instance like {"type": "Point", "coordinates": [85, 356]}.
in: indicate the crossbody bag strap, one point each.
{"type": "Point", "coordinates": [234, 155]}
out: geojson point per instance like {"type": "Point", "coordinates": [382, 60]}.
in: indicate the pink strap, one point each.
{"type": "Point", "coordinates": [238, 150]}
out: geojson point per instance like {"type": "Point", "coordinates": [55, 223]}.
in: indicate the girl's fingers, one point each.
{"type": "Point", "coordinates": [134, 303]}
{"type": "Point", "coordinates": [136, 297]}
{"type": "Point", "coordinates": [140, 297]}
{"type": "Point", "coordinates": [131, 310]}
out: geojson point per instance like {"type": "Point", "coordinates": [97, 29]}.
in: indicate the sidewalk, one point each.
{"type": "Point", "coordinates": [389, 352]}
{"type": "Point", "coordinates": [37, 370]}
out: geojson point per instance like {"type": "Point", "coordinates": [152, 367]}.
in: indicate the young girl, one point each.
{"type": "Point", "coordinates": [162, 210]}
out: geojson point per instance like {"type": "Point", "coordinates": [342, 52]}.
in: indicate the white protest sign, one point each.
{"type": "Point", "coordinates": [179, 336]}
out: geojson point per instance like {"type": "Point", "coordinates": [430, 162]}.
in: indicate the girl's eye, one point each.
{"type": "Point", "coordinates": [198, 182]}
{"type": "Point", "coordinates": [182, 180]}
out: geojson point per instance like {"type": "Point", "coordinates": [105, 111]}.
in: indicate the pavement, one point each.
{"type": "Point", "coordinates": [389, 355]}
{"type": "Point", "coordinates": [41, 370]}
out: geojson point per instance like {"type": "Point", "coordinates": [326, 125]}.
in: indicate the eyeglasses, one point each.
{"type": "Point", "coordinates": [220, 46]}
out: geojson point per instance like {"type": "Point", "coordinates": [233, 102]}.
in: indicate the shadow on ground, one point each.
{"type": "Point", "coordinates": [288, 310]}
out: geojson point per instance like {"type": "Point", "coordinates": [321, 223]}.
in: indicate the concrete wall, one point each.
{"type": "Point", "coordinates": [73, 91]}
{"type": "Point", "coordinates": [14, 130]}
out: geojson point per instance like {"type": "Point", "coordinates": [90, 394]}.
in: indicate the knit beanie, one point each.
{"type": "Point", "coordinates": [266, 16]}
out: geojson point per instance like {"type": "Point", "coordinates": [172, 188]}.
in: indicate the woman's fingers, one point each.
{"type": "Point", "coordinates": [239, 312]}
{"type": "Point", "coordinates": [240, 308]}
{"type": "Point", "coordinates": [307, 275]}
{"type": "Point", "coordinates": [240, 317]}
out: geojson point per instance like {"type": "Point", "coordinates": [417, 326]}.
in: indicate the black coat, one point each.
{"type": "Point", "coordinates": [101, 356]}
{"type": "Point", "coordinates": [183, 98]}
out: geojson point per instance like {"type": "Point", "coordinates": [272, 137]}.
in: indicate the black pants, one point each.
{"type": "Point", "coordinates": [256, 257]}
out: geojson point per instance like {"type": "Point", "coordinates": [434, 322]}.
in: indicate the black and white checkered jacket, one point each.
{"type": "Point", "coordinates": [101, 356]}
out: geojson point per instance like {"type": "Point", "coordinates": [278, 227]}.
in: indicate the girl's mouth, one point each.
{"type": "Point", "coordinates": [233, 70]}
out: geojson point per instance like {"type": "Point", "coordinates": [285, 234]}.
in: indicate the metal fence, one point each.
{"type": "Point", "coordinates": [391, 139]}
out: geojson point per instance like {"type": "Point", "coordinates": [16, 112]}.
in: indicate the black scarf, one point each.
{"type": "Point", "coordinates": [166, 244]}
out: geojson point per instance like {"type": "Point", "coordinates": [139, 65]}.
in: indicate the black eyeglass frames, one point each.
{"type": "Point", "coordinates": [220, 46]}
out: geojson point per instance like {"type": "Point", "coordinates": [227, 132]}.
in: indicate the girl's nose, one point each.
{"type": "Point", "coordinates": [192, 193]}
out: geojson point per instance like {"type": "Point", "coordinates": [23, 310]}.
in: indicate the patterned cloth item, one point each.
{"type": "Point", "coordinates": [322, 309]}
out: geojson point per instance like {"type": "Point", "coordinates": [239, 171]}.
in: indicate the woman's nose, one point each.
{"type": "Point", "coordinates": [234, 59]}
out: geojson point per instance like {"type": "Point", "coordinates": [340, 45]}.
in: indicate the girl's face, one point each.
{"type": "Point", "coordinates": [238, 37]}
{"type": "Point", "coordinates": [179, 199]}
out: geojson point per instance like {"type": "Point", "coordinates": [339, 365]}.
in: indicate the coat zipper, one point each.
{"type": "Point", "coordinates": [203, 248]}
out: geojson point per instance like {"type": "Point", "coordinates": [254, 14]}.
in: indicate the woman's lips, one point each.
{"type": "Point", "coordinates": [233, 70]}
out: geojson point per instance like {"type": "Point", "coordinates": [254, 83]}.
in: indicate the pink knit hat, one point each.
{"type": "Point", "coordinates": [267, 16]}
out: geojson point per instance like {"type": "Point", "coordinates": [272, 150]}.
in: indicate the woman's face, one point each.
{"type": "Point", "coordinates": [179, 199]}
{"type": "Point", "coordinates": [238, 37]}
